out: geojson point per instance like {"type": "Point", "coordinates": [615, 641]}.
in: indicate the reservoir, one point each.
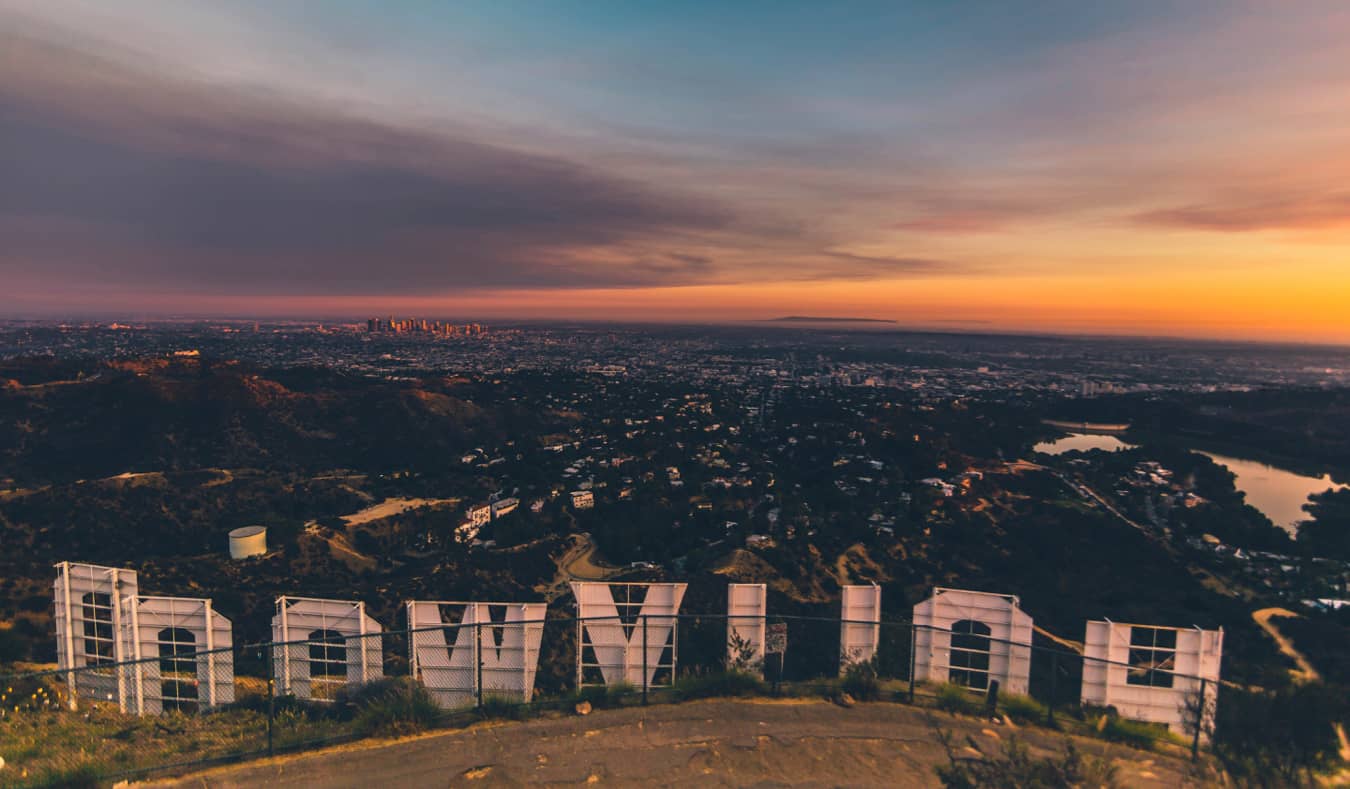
{"type": "Point", "coordinates": [1278, 493]}
{"type": "Point", "coordinates": [1082, 442]}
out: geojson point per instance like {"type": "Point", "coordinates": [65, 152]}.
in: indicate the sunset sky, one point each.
{"type": "Point", "coordinates": [1117, 167]}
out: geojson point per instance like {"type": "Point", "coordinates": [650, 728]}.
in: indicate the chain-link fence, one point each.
{"type": "Point", "coordinates": [183, 707]}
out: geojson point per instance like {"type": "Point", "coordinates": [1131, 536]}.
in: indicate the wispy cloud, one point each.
{"type": "Point", "coordinates": [272, 194]}
{"type": "Point", "coordinates": [1318, 211]}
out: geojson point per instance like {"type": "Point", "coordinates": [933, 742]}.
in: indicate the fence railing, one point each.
{"type": "Point", "coordinates": [182, 709]}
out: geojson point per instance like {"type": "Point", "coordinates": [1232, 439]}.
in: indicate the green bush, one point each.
{"type": "Point", "coordinates": [1022, 709]}
{"type": "Point", "coordinates": [957, 699]}
{"type": "Point", "coordinates": [1135, 734]}
{"type": "Point", "coordinates": [500, 707]}
{"type": "Point", "coordinates": [720, 684]}
{"type": "Point", "coordinates": [861, 682]}
{"type": "Point", "coordinates": [619, 692]}
{"type": "Point", "coordinates": [595, 695]}
{"type": "Point", "coordinates": [391, 706]}
{"type": "Point", "coordinates": [606, 696]}
{"type": "Point", "coordinates": [82, 776]}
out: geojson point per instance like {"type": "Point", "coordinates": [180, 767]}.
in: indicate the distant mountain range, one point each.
{"type": "Point", "coordinates": [819, 319]}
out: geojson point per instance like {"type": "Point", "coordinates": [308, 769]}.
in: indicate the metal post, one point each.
{"type": "Point", "coordinates": [644, 660]}
{"type": "Point", "coordinates": [210, 656]}
{"type": "Point", "coordinates": [271, 713]}
{"type": "Point", "coordinates": [69, 632]}
{"type": "Point", "coordinates": [1054, 677]}
{"type": "Point", "coordinates": [478, 655]}
{"type": "Point", "coordinates": [913, 652]}
{"type": "Point", "coordinates": [1199, 721]}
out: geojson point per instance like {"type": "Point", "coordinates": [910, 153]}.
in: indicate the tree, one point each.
{"type": "Point", "coordinates": [1279, 738]}
{"type": "Point", "coordinates": [1328, 533]}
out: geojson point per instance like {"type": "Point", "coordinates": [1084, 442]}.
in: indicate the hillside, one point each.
{"type": "Point", "coordinates": [184, 414]}
{"type": "Point", "coordinates": [151, 463]}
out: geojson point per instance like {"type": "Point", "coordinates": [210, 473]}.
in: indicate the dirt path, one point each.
{"type": "Point", "coordinates": [708, 743]}
{"type": "Point", "coordinates": [1076, 646]}
{"type": "Point", "coordinates": [1305, 671]}
{"type": "Point", "coordinates": [390, 507]}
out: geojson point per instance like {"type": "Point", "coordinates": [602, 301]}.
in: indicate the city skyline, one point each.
{"type": "Point", "coordinates": [1158, 168]}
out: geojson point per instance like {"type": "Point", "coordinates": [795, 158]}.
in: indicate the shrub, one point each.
{"type": "Point", "coordinates": [616, 694]}
{"type": "Point", "coordinates": [1022, 709]}
{"type": "Point", "coordinates": [391, 706]}
{"type": "Point", "coordinates": [724, 683]}
{"type": "Point", "coordinates": [1015, 767]}
{"type": "Point", "coordinates": [595, 695]}
{"type": "Point", "coordinates": [861, 682]}
{"type": "Point", "coordinates": [605, 696]}
{"type": "Point", "coordinates": [82, 776]}
{"type": "Point", "coordinates": [1135, 734]}
{"type": "Point", "coordinates": [742, 655]}
{"type": "Point", "coordinates": [1281, 737]}
{"type": "Point", "coordinates": [500, 707]}
{"type": "Point", "coordinates": [957, 699]}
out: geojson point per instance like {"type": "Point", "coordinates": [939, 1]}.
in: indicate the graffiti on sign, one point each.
{"type": "Point", "coordinates": [775, 639]}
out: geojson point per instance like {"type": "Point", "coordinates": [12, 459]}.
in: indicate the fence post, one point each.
{"type": "Point", "coordinates": [478, 655]}
{"type": "Point", "coordinates": [271, 713]}
{"type": "Point", "coordinates": [644, 660]}
{"type": "Point", "coordinates": [913, 652]}
{"type": "Point", "coordinates": [1054, 678]}
{"type": "Point", "coordinates": [1199, 721]}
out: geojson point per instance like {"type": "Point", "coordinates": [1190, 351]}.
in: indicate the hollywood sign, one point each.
{"type": "Point", "coordinates": [147, 654]}
{"type": "Point", "coordinates": [155, 654]}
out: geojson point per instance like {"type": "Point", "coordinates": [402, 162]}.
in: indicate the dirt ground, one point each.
{"type": "Point", "coordinates": [707, 743]}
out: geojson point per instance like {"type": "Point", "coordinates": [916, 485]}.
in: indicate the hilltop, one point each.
{"type": "Point", "coordinates": [726, 743]}
{"type": "Point", "coordinates": [826, 319]}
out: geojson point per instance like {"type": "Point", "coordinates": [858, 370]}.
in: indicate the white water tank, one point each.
{"type": "Point", "coordinates": [248, 541]}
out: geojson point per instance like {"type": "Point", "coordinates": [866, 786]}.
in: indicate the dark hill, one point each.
{"type": "Point", "coordinates": [184, 414]}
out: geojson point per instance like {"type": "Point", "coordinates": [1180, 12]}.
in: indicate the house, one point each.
{"type": "Point", "coordinates": [583, 499]}
{"type": "Point", "coordinates": [479, 514]}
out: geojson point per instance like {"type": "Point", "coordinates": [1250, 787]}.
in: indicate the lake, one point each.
{"type": "Point", "coordinates": [1082, 442]}
{"type": "Point", "coordinates": [1278, 493]}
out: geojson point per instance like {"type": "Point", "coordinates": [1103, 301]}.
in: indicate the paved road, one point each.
{"type": "Point", "coordinates": [709, 743]}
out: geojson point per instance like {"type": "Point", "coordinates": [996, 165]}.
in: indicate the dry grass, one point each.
{"type": "Point", "coordinates": [48, 745]}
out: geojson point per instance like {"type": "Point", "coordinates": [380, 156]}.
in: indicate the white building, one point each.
{"type": "Point", "coordinates": [1152, 673]}
{"type": "Point", "coordinates": [324, 645]}
{"type": "Point", "coordinates": [453, 665]}
{"type": "Point", "coordinates": [970, 638]}
{"type": "Point", "coordinates": [583, 499]}
{"type": "Point", "coordinates": [479, 514]}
